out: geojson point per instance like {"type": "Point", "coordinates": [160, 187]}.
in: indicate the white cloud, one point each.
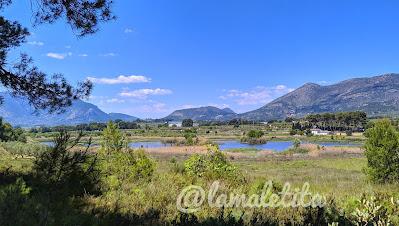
{"type": "Point", "coordinates": [128, 30]}
{"type": "Point", "coordinates": [186, 106]}
{"type": "Point", "coordinates": [258, 95]}
{"type": "Point", "coordinates": [68, 47]}
{"type": "Point", "coordinates": [58, 56]}
{"type": "Point", "coordinates": [122, 79]}
{"type": "Point", "coordinates": [115, 101]}
{"type": "Point", "coordinates": [109, 55]}
{"type": "Point", "coordinates": [83, 55]}
{"type": "Point", "coordinates": [323, 83]}
{"type": "Point", "coordinates": [221, 106]}
{"type": "Point", "coordinates": [35, 43]}
{"type": "Point", "coordinates": [144, 93]}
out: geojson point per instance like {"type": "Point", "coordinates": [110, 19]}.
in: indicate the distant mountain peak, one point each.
{"type": "Point", "coordinates": [207, 113]}
{"type": "Point", "coordinates": [229, 110]}
{"type": "Point", "coordinates": [310, 85]}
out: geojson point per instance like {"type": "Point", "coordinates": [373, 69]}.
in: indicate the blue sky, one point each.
{"type": "Point", "coordinates": [162, 55]}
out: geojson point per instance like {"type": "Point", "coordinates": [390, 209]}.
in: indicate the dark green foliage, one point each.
{"type": "Point", "coordinates": [382, 152]}
{"type": "Point", "coordinates": [66, 172]}
{"type": "Point", "coordinates": [255, 134]}
{"type": "Point", "coordinates": [341, 121]}
{"type": "Point", "coordinates": [93, 126]}
{"type": "Point", "coordinates": [187, 123]}
{"type": "Point", "coordinates": [48, 195]}
{"type": "Point", "coordinates": [8, 133]}
{"type": "Point", "coordinates": [254, 137]}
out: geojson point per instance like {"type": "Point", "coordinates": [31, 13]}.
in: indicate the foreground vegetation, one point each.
{"type": "Point", "coordinates": [115, 185]}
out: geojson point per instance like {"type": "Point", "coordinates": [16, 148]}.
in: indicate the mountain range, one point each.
{"type": "Point", "coordinates": [377, 96]}
{"type": "Point", "coordinates": [18, 112]}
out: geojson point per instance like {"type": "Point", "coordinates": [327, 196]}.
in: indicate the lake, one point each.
{"type": "Point", "coordinates": [277, 146]}
{"type": "Point", "coordinates": [271, 145]}
{"type": "Point", "coordinates": [148, 144]}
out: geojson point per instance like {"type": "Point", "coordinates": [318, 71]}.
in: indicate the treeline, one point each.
{"type": "Point", "coordinates": [341, 121]}
{"type": "Point", "coordinates": [233, 122]}
{"type": "Point", "coordinates": [94, 126]}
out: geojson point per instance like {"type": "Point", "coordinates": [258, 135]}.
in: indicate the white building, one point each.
{"type": "Point", "coordinates": [319, 132]}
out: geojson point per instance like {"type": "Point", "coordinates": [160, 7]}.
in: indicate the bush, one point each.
{"type": "Point", "coordinates": [191, 137]}
{"type": "Point", "coordinates": [255, 134]}
{"type": "Point", "coordinates": [382, 152]}
{"type": "Point", "coordinates": [254, 137]}
{"type": "Point", "coordinates": [118, 163]}
{"type": "Point", "coordinates": [373, 211]}
{"type": "Point", "coordinates": [213, 165]}
{"type": "Point", "coordinates": [62, 172]}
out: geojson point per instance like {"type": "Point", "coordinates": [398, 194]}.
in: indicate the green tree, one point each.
{"type": "Point", "coordinates": [382, 152]}
{"type": "Point", "coordinates": [112, 140]}
{"type": "Point", "coordinates": [187, 123]}
{"type": "Point", "coordinates": [8, 133]}
{"type": "Point", "coordinates": [119, 163]}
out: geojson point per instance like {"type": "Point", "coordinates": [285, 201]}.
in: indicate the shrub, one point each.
{"type": "Point", "coordinates": [60, 171]}
{"type": "Point", "coordinates": [371, 212]}
{"type": "Point", "coordinates": [254, 137]}
{"type": "Point", "coordinates": [120, 167]}
{"type": "Point", "coordinates": [119, 163]}
{"type": "Point", "coordinates": [382, 152]}
{"type": "Point", "coordinates": [255, 134]}
{"type": "Point", "coordinates": [191, 137]}
{"type": "Point", "coordinates": [213, 165]}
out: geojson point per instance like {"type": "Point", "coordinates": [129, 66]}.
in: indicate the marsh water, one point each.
{"type": "Point", "coordinates": [277, 146]}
